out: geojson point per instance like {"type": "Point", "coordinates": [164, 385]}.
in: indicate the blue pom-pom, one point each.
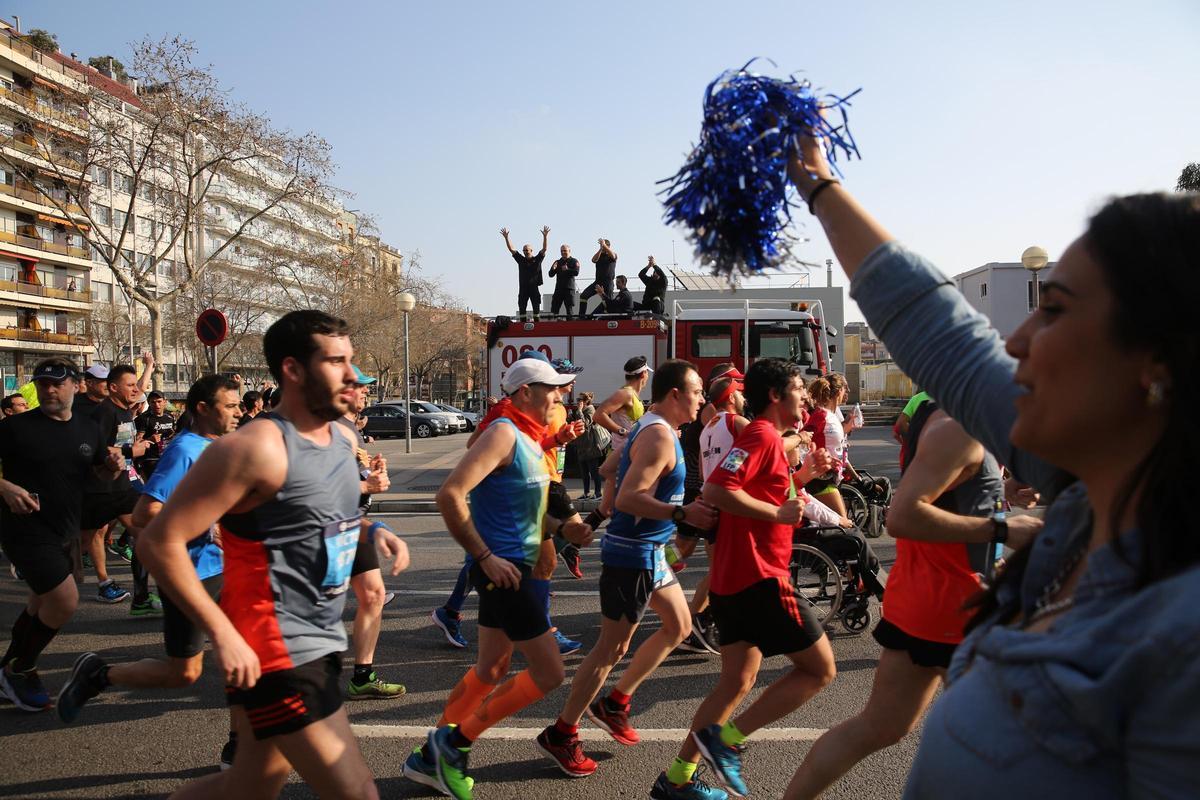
{"type": "Point", "coordinates": [732, 194]}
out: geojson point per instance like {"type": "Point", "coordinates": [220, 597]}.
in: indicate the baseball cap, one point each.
{"type": "Point", "coordinates": [155, 396]}
{"type": "Point", "coordinates": [564, 366]}
{"type": "Point", "coordinates": [726, 370]}
{"type": "Point", "coordinates": [531, 370]}
{"type": "Point", "coordinates": [636, 366]}
{"type": "Point", "coordinates": [361, 378]}
{"type": "Point", "coordinates": [536, 355]}
{"type": "Point", "coordinates": [53, 372]}
{"type": "Point", "coordinates": [97, 371]}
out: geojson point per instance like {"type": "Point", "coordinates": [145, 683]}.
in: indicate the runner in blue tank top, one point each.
{"type": "Point", "coordinates": [286, 493]}
{"type": "Point", "coordinates": [505, 477]}
{"type": "Point", "coordinates": [635, 574]}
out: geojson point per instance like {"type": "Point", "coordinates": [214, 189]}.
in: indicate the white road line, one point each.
{"type": "Point", "coordinates": [587, 733]}
{"type": "Point", "coordinates": [448, 589]}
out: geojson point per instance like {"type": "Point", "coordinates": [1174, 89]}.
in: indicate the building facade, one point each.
{"type": "Point", "coordinates": [1001, 291]}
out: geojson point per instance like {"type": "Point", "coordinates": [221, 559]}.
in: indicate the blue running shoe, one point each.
{"type": "Point", "coordinates": [451, 764]}
{"type": "Point", "coordinates": [566, 646]}
{"type": "Point", "coordinates": [110, 592]}
{"type": "Point", "coordinates": [695, 789]}
{"type": "Point", "coordinates": [24, 689]}
{"type": "Point", "coordinates": [84, 684]}
{"type": "Point", "coordinates": [417, 768]}
{"type": "Point", "coordinates": [723, 760]}
{"type": "Point", "coordinates": [451, 626]}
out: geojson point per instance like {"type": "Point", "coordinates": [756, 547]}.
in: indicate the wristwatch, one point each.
{"type": "Point", "coordinates": [678, 514]}
{"type": "Point", "coordinates": [999, 530]}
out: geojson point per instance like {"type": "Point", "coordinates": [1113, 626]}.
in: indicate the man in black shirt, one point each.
{"type": "Point", "coordinates": [606, 269]}
{"type": "Point", "coordinates": [656, 287]}
{"type": "Point", "coordinates": [14, 404]}
{"type": "Point", "coordinates": [95, 390]}
{"type": "Point", "coordinates": [529, 273]}
{"type": "Point", "coordinates": [619, 303]}
{"type": "Point", "coordinates": [564, 272]}
{"type": "Point", "coordinates": [156, 426]}
{"type": "Point", "coordinates": [104, 501]}
{"type": "Point", "coordinates": [47, 455]}
{"type": "Point", "coordinates": [252, 406]}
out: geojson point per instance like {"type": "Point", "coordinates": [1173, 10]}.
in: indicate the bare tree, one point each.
{"type": "Point", "coordinates": [170, 154]}
{"type": "Point", "coordinates": [1189, 179]}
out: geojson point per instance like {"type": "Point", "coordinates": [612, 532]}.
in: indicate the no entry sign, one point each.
{"type": "Point", "coordinates": [211, 327]}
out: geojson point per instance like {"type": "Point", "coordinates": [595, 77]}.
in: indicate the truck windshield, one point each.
{"type": "Point", "coordinates": [783, 341]}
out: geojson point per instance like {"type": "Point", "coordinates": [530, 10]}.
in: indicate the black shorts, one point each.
{"type": "Point", "coordinates": [289, 700]}
{"type": "Point", "coordinates": [101, 509]}
{"type": "Point", "coordinates": [520, 612]}
{"type": "Point", "coordinates": [182, 637]}
{"type": "Point", "coordinates": [690, 531]}
{"type": "Point", "coordinates": [923, 652]}
{"type": "Point", "coordinates": [559, 504]}
{"type": "Point", "coordinates": [625, 591]}
{"type": "Point", "coordinates": [43, 561]}
{"type": "Point", "coordinates": [366, 558]}
{"type": "Point", "coordinates": [767, 615]}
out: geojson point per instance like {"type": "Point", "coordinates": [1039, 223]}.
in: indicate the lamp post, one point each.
{"type": "Point", "coordinates": [1035, 260]}
{"type": "Point", "coordinates": [406, 302]}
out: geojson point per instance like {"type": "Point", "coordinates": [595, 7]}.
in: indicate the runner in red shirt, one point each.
{"type": "Point", "coordinates": [751, 595]}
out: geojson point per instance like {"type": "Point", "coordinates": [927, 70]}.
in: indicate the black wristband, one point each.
{"type": "Point", "coordinates": [812, 197]}
{"type": "Point", "coordinates": [999, 531]}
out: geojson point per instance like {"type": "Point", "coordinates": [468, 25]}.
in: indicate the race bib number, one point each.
{"type": "Point", "coordinates": [662, 570]}
{"type": "Point", "coordinates": [341, 543]}
{"type": "Point", "coordinates": [733, 462]}
{"type": "Point", "coordinates": [562, 460]}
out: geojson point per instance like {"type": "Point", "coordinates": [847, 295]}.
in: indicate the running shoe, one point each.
{"type": "Point", "coordinates": [723, 760]}
{"type": "Point", "coordinates": [451, 626]}
{"type": "Point", "coordinates": [123, 551]}
{"type": "Point", "coordinates": [83, 685]}
{"type": "Point", "coordinates": [570, 558]}
{"type": "Point", "coordinates": [110, 592]}
{"type": "Point", "coordinates": [24, 689]}
{"type": "Point", "coordinates": [150, 607]}
{"type": "Point", "coordinates": [694, 789]}
{"type": "Point", "coordinates": [418, 768]}
{"type": "Point", "coordinates": [705, 630]}
{"type": "Point", "coordinates": [451, 764]}
{"type": "Point", "coordinates": [566, 646]}
{"type": "Point", "coordinates": [569, 755]}
{"type": "Point", "coordinates": [227, 752]}
{"type": "Point", "coordinates": [374, 688]}
{"type": "Point", "coordinates": [613, 720]}
{"type": "Point", "coordinates": [694, 644]}
{"type": "Point", "coordinates": [388, 598]}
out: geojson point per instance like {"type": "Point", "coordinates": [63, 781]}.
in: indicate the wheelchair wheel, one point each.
{"type": "Point", "coordinates": [857, 508]}
{"type": "Point", "coordinates": [817, 581]}
{"type": "Point", "coordinates": [856, 617]}
{"type": "Point", "coordinates": [876, 526]}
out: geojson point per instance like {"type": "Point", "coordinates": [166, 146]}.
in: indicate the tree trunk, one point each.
{"type": "Point", "coordinates": [156, 343]}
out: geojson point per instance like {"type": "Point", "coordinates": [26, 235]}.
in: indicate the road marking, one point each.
{"type": "Point", "coordinates": [586, 733]}
{"type": "Point", "coordinates": [448, 589]}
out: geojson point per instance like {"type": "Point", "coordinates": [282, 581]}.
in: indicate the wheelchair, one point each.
{"type": "Point", "coordinates": [835, 572]}
{"type": "Point", "coordinates": [867, 498]}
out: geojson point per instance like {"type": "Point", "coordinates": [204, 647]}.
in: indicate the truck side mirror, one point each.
{"type": "Point", "coordinates": [806, 358]}
{"type": "Point", "coordinates": [832, 331]}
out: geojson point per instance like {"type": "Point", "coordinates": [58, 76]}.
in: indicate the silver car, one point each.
{"type": "Point", "coordinates": [455, 423]}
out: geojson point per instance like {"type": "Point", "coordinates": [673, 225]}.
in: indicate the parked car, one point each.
{"type": "Point", "coordinates": [455, 422]}
{"type": "Point", "coordinates": [385, 420]}
{"type": "Point", "coordinates": [471, 417]}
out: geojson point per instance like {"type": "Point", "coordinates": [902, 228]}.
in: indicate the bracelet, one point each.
{"type": "Point", "coordinates": [374, 526]}
{"type": "Point", "coordinates": [822, 186]}
{"type": "Point", "coordinates": [484, 557]}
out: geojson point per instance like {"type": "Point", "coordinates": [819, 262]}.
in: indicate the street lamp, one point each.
{"type": "Point", "coordinates": [406, 303]}
{"type": "Point", "coordinates": [1035, 260]}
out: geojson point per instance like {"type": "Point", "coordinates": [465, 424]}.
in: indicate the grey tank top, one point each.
{"type": "Point", "coordinates": [287, 562]}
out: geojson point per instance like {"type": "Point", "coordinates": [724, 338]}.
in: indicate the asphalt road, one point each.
{"type": "Point", "coordinates": [147, 743]}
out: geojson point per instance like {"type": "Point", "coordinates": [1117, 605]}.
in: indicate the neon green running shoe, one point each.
{"type": "Point", "coordinates": [374, 688]}
{"type": "Point", "coordinates": [451, 764]}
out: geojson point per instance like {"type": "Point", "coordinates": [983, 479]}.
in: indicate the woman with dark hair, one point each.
{"type": "Point", "coordinates": [1079, 676]}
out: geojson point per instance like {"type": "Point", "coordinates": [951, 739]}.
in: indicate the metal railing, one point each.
{"type": "Point", "coordinates": [10, 42]}
{"type": "Point", "coordinates": [29, 145]}
{"type": "Point", "coordinates": [62, 248]}
{"type": "Point", "coordinates": [23, 287]}
{"type": "Point", "coordinates": [40, 197]}
{"type": "Point", "coordinates": [12, 332]}
{"type": "Point", "coordinates": [32, 102]}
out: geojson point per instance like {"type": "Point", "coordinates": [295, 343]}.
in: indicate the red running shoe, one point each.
{"type": "Point", "coordinates": [569, 755]}
{"type": "Point", "coordinates": [570, 558]}
{"type": "Point", "coordinates": [613, 720]}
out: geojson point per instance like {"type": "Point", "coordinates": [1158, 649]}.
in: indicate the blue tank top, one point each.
{"type": "Point", "coordinates": [508, 506]}
{"type": "Point", "coordinates": [637, 542]}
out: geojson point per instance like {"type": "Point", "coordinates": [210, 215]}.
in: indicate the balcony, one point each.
{"type": "Point", "coordinates": [24, 143]}
{"type": "Point", "coordinates": [38, 290]}
{"type": "Point", "coordinates": [12, 333]}
{"type": "Point", "coordinates": [61, 247]}
{"type": "Point", "coordinates": [32, 103]}
{"type": "Point", "coordinates": [32, 195]}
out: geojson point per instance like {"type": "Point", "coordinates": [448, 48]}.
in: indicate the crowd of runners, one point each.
{"type": "Point", "coordinates": [254, 526]}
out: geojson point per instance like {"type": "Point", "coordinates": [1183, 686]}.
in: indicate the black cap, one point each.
{"type": "Point", "coordinates": [155, 396]}
{"type": "Point", "coordinates": [54, 372]}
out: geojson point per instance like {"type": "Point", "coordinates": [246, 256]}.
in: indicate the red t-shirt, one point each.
{"type": "Point", "coordinates": [927, 588]}
{"type": "Point", "coordinates": [749, 550]}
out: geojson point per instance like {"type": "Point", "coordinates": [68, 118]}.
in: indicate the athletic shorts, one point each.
{"type": "Point", "coordinates": [520, 612]}
{"type": "Point", "coordinates": [43, 561]}
{"type": "Point", "coordinates": [289, 700]}
{"type": "Point", "coordinates": [182, 637]}
{"type": "Point", "coordinates": [101, 509]}
{"type": "Point", "coordinates": [767, 615]}
{"type": "Point", "coordinates": [692, 532]}
{"type": "Point", "coordinates": [559, 504]}
{"type": "Point", "coordinates": [922, 652]}
{"type": "Point", "coordinates": [625, 591]}
{"type": "Point", "coordinates": [366, 558]}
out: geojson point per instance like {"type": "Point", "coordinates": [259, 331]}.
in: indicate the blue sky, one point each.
{"type": "Point", "coordinates": [984, 128]}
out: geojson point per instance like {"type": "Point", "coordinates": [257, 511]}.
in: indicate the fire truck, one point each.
{"type": "Point", "coordinates": [705, 332]}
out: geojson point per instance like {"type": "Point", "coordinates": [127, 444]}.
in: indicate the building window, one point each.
{"type": "Point", "coordinates": [712, 341]}
{"type": "Point", "coordinates": [127, 257]}
{"type": "Point", "coordinates": [119, 218]}
{"type": "Point", "coordinates": [102, 292]}
{"type": "Point", "coordinates": [123, 182]}
{"type": "Point", "coordinates": [1030, 297]}
{"type": "Point", "coordinates": [983, 289]}
{"type": "Point", "coordinates": [146, 192]}
{"type": "Point", "coordinates": [100, 177]}
{"type": "Point", "coordinates": [166, 268]}
{"type": "Point", "coordinates": [101, 214]}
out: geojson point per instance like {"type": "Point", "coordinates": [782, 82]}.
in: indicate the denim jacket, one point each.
{"type": "Point", "coordinates": [1106, 702]}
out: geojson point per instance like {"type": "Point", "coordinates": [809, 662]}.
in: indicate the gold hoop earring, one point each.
{"type": "Point", "coordinates": [1156, 394]}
